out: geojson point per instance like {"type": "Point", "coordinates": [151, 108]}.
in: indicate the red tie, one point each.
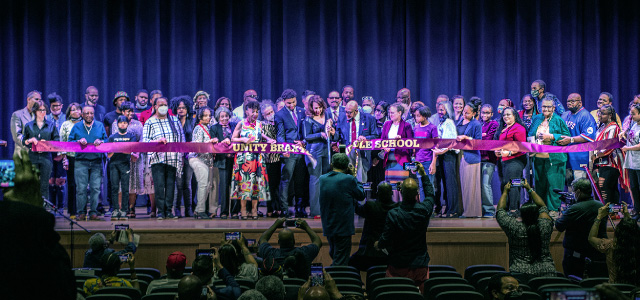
{"type": "Point", "coordinates": [353, 130]}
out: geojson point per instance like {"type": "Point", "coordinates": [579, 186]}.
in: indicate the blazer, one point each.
{"type": "Point", "coordinates": [316, 144]}
{"type": "Point", "coordinates": [342, 116]}
{"type": "Point", "coordinates": [339, 195]}
{"type": "Point", "coordinates": [366, 128]}
{"type": "Point", "coordinates": [558, 128]}
{"type": "Point", "coordinates": [474, 130]}
{"type": "Point", "coordinates": [406, 132]}
{"type": "Point", "coordinates": [220, 160]}
{"type": "Point", "coordinates": [286, 129]}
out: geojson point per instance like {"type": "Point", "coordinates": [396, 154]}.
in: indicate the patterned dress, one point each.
{"type": "Point", "coordinates": [249, 180]}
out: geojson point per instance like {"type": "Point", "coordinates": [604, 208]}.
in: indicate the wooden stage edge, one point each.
{"type": "Point", "coordinates": [456, 242]}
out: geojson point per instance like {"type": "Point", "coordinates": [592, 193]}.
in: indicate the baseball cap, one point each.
{"type": "Point", "coordinates": [176, 261]}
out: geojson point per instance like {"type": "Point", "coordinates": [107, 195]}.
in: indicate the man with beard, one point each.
{"type": "Point", "coordinates": [91, 99]}
{"type": "Point", "coordinates": [118, 99]}
{"type": "Point", "coordinates": [21, 117]}
{"type": "Point", "coordinates": [142, 102]}
{"type": "Point", "coordinates": [88, 166]}
{"type": "Point", "coordinates": [582, 128]}
{"type": "Point", "coordinates": [347, 94]}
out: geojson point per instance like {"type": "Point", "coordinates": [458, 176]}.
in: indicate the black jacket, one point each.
{"type": "Point", "coordinates": [577, 221]}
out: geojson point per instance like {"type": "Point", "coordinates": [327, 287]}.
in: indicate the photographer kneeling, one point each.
{"type": "Point", "coordinates": [577, 222]}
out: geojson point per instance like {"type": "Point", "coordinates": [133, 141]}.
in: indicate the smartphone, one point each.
{"type": "Point", "coordinates": [613, 208]}
{"type": "Point", "coordinates": [230, 236]}
{"type": "Point", "coordinates": [7, 173]}
{"type": "Point", "coordinates": [516, 182]}
{"type": "Point", "coordinates": [251, 243]}
{"type": "Point", "coordinates": [317, 277]}
{"type": "Point", "coordinates": [119, 227]}
{"type": "Point", "coordinates": [366, 186]}
{"type": "Point", "coordinates": [205, 291]}
{"type": "Point", "coordinates": [577, 294]}
{"type": "Point", "coordinates": [124, 258]}
{"type": "Point", "coordinates": [409, 166]}
{"type": "Point", "coordinates": [208, 252]}
{"type": "Point", "coordinates": [394, 186]}
{"type": "Point", "coordinates": [290, 223]}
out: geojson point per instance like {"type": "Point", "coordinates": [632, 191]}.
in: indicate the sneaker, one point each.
{"type": "Point", "coordinates": [487, 215]}
{"type": "Point", "coordinates": [123, 216]}
{"type": "Point", "coordinates": [115, 215]}
{"type": "Point", "coordinates": [160, 217]}
{"type": "Point", "coordinates": [82, 217]}
{"type": "Point", "coordinates": [171, 216]}
{"type": "Point", "coordinates": [202, 216]}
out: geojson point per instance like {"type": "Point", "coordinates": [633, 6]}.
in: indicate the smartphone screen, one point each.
{"type": "Point", "coordinates": [290, 222]}
{"type": "Point", "coordinates": [516, 182]}
{"type": "Point", "coordinates": [208, 252]}
{"type": "Point", "coordinates": [205, 291]}
{"type": "Point", "coordinates": [119, 227]}
{"type": "Point", "coordinates": [230, 236]}
{"type": "Point", "coordinates": [584, 294]}
{"type": "Point", "coordinates": [7, 173]}
{"type": "Point", "coordinates": [317, 278]}
{"type": "Point", "coordinates": [124, 257]}
{"type": "Point", "coordinates": [409, 166]}
{"type": "Point", "coordinates": [251, 242]}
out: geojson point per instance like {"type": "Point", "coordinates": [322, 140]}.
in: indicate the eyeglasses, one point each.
{"type": "Point", "coordinates": [253, 96]}
{"type": "Point", "coordinates": [380, 110]}
{"type": "Point", "coordinates": [41, 110]}
{"type": "Point", "coordinates": [182, 107]}
{"type": "Point", "coordinates": [367, 98]}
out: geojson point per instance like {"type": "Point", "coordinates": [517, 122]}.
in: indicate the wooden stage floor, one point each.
{"type": "Point", "coordinates": [455, 242]}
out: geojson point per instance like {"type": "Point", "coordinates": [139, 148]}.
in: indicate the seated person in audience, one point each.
{"type": "Point", "coordinates": [271, 287]}
{"type": "Point", "coordinates": [320, 292]}
{"type": "Point", "coordinates": [252, 295]}
{"type": "Point", "coordinates": [375, 213]}
{"type": "Point", "coordinates": [623, 251]}
{"type": "Point", "coordinates": [404, 237]}
{"type": "Point", "coordinates": [176, 262]}
{"type": "Point", "coordinates": [287, 243]}
{"type": "Point", "coordinates": [577, 222]}
{"type": "Point", "coordinates": [203, 267]}
{"type": "Point", "coordinates": [190, 288]}
{"type": "Point", "coordinates": [100, 246]}
{"type": "Point", "coordinates": [502, 284]}
{"type": "Point", "coordinates": [529, 254]}
{"type": "Point", "coordinates": [110, 266]}
{"type": "Point", "coordinates": [237, 259]}
{"type": "Point", "coordinates": [41, 261]}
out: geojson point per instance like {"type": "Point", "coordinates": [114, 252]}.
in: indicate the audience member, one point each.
{"type": "Point", "coordinates": [237, 259]}
{"type": "Point", "coordinates": [190, 288]}
{"type": "Point", "coordinates": [327, 291]}
{"type": "Point", "coordinates": [271, 287]}
{"type": "Point", "coordinates": [623, 251]}
{"type": "Point", "coordinates": [110, 266]}
{"type": "Point", "coordinates": [577, 221]}
{"type": "Point", "coordinates": [375, 215]}
{"type": "Point", "coordinates": [99, 246]}
{"type": "Point", "coordinates": [287, 242]}
{"type": "Point", "coordinates": [404, 238]}
{"type": "Point", "coordinates": [176, 263]}
{"type": "Point", "coordinates": [252, 295]}
{"type": "Point", "coordinates": [502, 284]}
{"type": "Point", "coordinates": [340, 192]}
{"type": "Point", "coordinates": [529, 254]}
{"type": "Point", "coordinates": [204, 266]}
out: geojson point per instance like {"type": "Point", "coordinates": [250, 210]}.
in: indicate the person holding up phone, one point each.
{"type": "Point", "coordinates": [176, 263]}
{"type": "Point", "coordinates": [111, 263]}
{"type": "Point", "coordinates": [242, 266]}
{"type": "Point", "coordinates": [100, 246]}
{"type": "Point", "coordinates": [326, 288]}
{"type": "Point", "coordinates": [287, 243]}
{"type": "Point", "coordinates": [511, 129]}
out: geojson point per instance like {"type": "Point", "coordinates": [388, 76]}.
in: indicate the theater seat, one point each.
{"type": "Point", "coordinates": [165, 289]}
{"type": "Point", "coordinates": [475, 268]}
{"type": "Point", "coordinates": [459, 295]}
{"type": "Point", "coordinates": [133, 293]}
{"type": "Point", "coordinates": [436, 274]}
{"type": "Point", "coordinates": [537, 282]}
{"type": "Point", "coordinates": [160, 296]}
{"type": "Point", "coordinates": [399, 295]}
{"type": "Point", "coordinates": [108, 297]}
{"type": "Point", "coordinates": [435, 290]}
{"type": "Point", "coordinates": [151, 271]}
{"type": "Point", "coordinates": [592, 282]}
{"type": "Point", "coordinates": [441, 268]}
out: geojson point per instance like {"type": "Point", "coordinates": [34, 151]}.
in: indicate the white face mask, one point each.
{"type": "Point", "coordinates": [271, 117]}
{"type": "Point", "coordinates": [163, 110]}
{"type": "Point", "coordinates": [367, 109]}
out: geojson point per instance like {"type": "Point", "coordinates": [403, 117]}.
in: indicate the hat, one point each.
{"type": "Point", "coordinates": [120, 94]}
{"type": "Point", "coordinates": [176, 261]}
{"type": "Point", "coordinates": [200, 93]}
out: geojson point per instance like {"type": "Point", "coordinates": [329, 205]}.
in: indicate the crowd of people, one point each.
{"type": "Point", "coordinates": [208, 185]}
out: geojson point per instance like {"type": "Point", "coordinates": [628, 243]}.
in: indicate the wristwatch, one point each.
{"type": "Point", "coordinates": [571, 140]}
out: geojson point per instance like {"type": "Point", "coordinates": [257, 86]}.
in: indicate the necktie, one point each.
{"type": "Point", "coordinates": [353, 130]}
{"type": "Point", "coordinates": [293, 114]}
{"type": "Point", "coordinates": [335, 116]}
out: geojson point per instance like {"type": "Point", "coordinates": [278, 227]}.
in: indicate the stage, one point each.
{"type": "Point", "coordinates": [455, 242]}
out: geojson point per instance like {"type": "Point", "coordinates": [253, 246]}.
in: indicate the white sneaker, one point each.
{"type": "Point", "coordinates": [115, 214]}
{"type": "Point", "coordinates": [553, 214]}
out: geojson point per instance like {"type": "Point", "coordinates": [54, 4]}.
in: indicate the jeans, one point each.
{"type": "Point", "coordinates": [164, 179]}
{"type": "Point", "coordinates": [71, 188]}
{"type": "Point", "coordinates": [451, 182]}
{"type": "Point", "coordinates": [88, 172]}
{"type": "Point", "coordinates": [432, 179]}
{"type": "Point", "coordinates": [512, 169]}
{"type": "Point", "coordinates": [634, 185]}
{"type": "Point", "coordinates": [314, 184]}
{"type": "Point", "coordinates": [183, 187]}
{"type": "Point", "coordinates": [119, 173]}
{"type": "Point", "coordinates": [547, 178]}
{"type": "Point", "coordinates": [487, 191]}
{"type": "Point", "coordinates": [288, 167]}
{"type": "Point", "coordinates": [339, 249]}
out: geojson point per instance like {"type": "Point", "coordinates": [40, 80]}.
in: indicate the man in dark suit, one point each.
{"type": "Point", "coordinates": [289, 122]}
{"type": "Point", "coordinates": [358, 126]}
{"type": "Point", "coordinates": [339, 195]}
{"type": "Point", "coordinates": [335, 111]}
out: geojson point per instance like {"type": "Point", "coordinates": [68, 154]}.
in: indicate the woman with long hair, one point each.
{"type": "Point", "coordinates": [223, 131]}
{"type": "Point", "coordinates": [470, 173]}
{"type": "Point", "coordinates": [74, 115]}
{"type": "Point", "coordinates": [249, 180]}
{"type": "Point", "coordinates": [528, 111]}
{"type": "Point", "coordinates": [318, 130]}
{"type": "Point", "coordinates": [447, 164]}
{"type": "Point", "coordinates": [393, 160]}
{"type": "Point", "coordinates": [529, 254]}
{"type": "Point", "coordinates": [458, 106]}
{"type": "Point", "coordinates": [511, 129]}
{"type": "Point", "coordinates": [202, 165]}
{"type": "Point", "coordinates": [632, 152]}
{"type": "Point", "coordinates": [623, 251]}
{"type": "Point", "coordinates": [182, 107]}
{"type": "Point", "coordinates": [237, 259]}
{"type": "Point", "coordinates": [607, 164]}
{"type": "Point", "coordinates": [40, 129]}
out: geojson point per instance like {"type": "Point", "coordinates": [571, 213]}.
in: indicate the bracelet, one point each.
{"type": "Point", "coordinates": [572, 140]}
{"type": "Point", "coordinates": [530, 190]}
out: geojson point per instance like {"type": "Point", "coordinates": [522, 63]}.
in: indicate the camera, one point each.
{"type": "Point", "coordinates": [124, 257]}
{"type": "Point", "coordinates": [291, 223]}
{"type": "Point", "coordinates": [230, 236]}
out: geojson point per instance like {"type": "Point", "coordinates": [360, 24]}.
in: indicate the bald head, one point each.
{"type": "Point", "coordinates": [189, 287]}
{"type": "Point", "coordinates": [574, 102]}
{"type": "Point", "coordinates": [351, 109]}
{"type": "Point", "coordinates": [316, 293]}
{"type": "Point", "coordinates": [404, 96]}
{"type": "Point", "coordinates": [409, 190]}
{"type": "Point", "coordinates": [286, 238]}
{"type": "Point", "coordinates": [249, 95]}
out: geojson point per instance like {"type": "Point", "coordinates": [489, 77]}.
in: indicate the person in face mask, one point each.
{"type": "Point", "coordinates": [502, 284]}
{"type": "Point", "coordinates": [504, 103]}
{"type": "Point", "coordinates": [582, 129]}
{"type": "Point", "coordinates": [368, 104]}
{"type": "Point", "coordinates": [272, 160]}
{"type": "Point", "coordinates": [539, 92]}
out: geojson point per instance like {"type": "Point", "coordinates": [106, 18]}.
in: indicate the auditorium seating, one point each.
{"type": "Point", "coordinates": [457, 295]}
{"type": "Point", "coordinates": [108, 297]}
{"type": "Point", "coordinates": [436, 290]}
{"type": "Point", "coordinates": [132, 293]}
{"type": "Point", "coordinates": [159, 296]}
{"type": "Point", "coordinates": [536, 283]}
{"type": "Point", "coordinates": [165, 289]}
{"type": "Point", "coordinates": [591, 282]}
{"type": "Point", "coordinates": [436, 274]}
{"type": "Point", "coordinates": [400, 295]}
{"type": "Point", "coordinates": [151, 271]}
{"type": "Point", "coordinates": [476, 268]}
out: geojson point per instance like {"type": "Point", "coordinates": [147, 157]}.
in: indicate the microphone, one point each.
{"type": "Point", "coordinates": [47, 202]}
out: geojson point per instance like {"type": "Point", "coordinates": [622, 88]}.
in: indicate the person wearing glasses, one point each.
{"type": "Point", "coordinates": [361, 127]}
{"type": "Point", "coordinates": [248, 95]}
{"type": "Point", "coordinates": [368, 105]}
{"type": "Point", "coordinates": [502, 284]}
{"type": "Point", "coordinates": [547, 129]}
{"type": "Point", "coordinates": [582, 129]}
{"type": "Point", "coordinates": [605, 98]}
{"type": "Point", "coordinates": [40, 129]}
{"type": "Point", "coordinates": [336, 110]}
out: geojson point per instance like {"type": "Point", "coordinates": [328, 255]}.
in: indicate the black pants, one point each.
{"type": "Point", "coordinates": [56, 192]}
{"type": "Point", "coordinates": [119, 176]}
{"type": "Point", "coordinates": [452, 185]}
{"type": "Point", "coordinates": [512, 169]}
{"type": "Point", "coordinates": [440, 192]}
{"type": "Point", "coordinates": [363, 262]}
{"type": "Point", "coordinates": [634, 185]}
{"type": "Point", "coordinates": [71, 186]}
{"type": "Point", "coordinates": [274, 172]}
{"type": "Point", "coordinates": [183, 186]}
{"type": "Point", "coordinates": [339, 249]}
{"type": "Point", "coordinates": [609, 188]}
{"type": "Point", "coordinates": [164, 181]}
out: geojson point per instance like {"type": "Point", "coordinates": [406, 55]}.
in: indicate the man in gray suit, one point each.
{"type": "Point", "coordinates": [21, 117]}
